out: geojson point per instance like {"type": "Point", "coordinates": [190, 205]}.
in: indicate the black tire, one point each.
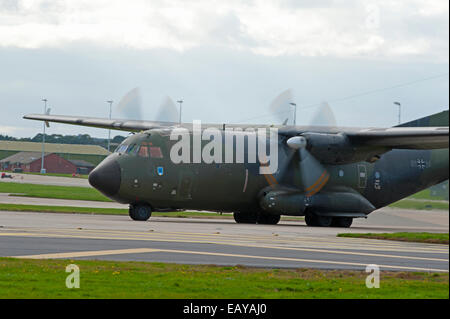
{"type": "Point", "coordinates": [266, 219]}
{"type": "Point", "coordinates": [245, 218]}
{"type": "Point", "coordinates": [344, 222]}
{"type": "Point", "coordinates": [140, 212]}
{"type": "Point", "coordinates": [324, 221]}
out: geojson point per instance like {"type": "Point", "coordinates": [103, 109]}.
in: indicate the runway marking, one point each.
{"type": "Point", "coordinates": [89, 253]}
{"type": "Point", "coordinates": [347, 242]}
{"type": "Point", "coordinates": [151, 236]}
{"type": "Point", "coordinates": [148, 250]}
{"type": "Point", "coordinates": [230, 244]}
{"type": "Point", "coordinates": [340, 243]}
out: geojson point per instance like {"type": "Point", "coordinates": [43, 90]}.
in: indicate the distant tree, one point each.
{"type": "Point", "coordinates": [84, 139]}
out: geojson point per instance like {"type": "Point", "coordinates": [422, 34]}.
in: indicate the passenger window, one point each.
{"type": "Point", "coordinates": [155, 152]}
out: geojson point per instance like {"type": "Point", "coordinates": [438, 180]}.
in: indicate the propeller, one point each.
{"type": "Point", "coordinates": [312, 173]}
{"type": "Point", "coordinates": [281, 107]}
{"type": "Point", "coordinates": [130, 106]}
{"type": "Point", "coordinates": [168, 111]}
{"type": "Point", "coordinates": [324, 116]}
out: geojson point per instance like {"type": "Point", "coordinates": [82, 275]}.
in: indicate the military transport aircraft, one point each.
{"type": "Point", "coordinates": [330, 175]}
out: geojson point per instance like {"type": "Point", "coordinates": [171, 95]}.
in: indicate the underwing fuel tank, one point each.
{"type": "Point", "coordinates": [343, 204]}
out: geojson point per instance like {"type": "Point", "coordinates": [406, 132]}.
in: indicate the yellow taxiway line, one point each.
{"type": "Point", "coordinates": [224, 242]}
{"type": "Point", "coordinates": [361, 244]}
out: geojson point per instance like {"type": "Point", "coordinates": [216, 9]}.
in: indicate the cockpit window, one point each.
{"type": "Point", "coordinates": [121, 148]}
{"type": "Point", "coordinates": [155, 152]}
{"type": "Point", "coordinates": [132, 150]}
{"type": "Point", "coordinates": [143, 151]}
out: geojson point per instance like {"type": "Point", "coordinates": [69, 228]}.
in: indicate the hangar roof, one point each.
{"type": "Point", "coordinates": [53, 148]}
{"type": "Point", "coordinates": [23, 157]}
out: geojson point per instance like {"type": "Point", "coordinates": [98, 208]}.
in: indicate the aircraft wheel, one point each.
{"type": "Point", "coordinates": [267, 219]}
{"type": "Point", "coordinates": [324, 221]}
{"type": "Point", "coordinates": [245, 218]}
{"type": "Point", "coordinates": [344, 222]}
{"type": "Point", "coordinates": [140, 212]}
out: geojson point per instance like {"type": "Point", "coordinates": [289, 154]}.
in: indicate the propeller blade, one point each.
{"type": "Point", "coordinates": [168, 111]}
{"type": "Point", "coordinates": [312, 173]}
{"type": "Point", "coordinates": [130, 106]}
{"type": "Point", "coordinates": [324, 116]}
{"type": "Point", "coordinates": [281, 108]}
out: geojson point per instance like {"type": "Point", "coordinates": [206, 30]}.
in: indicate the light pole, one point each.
{"type": "Point", "coordinates": [399, 112]}
{"type": "Point", "coordinates": [43, 139]}
{"type": "Point", "coordinates": [295, 112]}
{"type": "Point", "coordinates": [181, 102]}
{"type": "Point", "coordinates": [109, 131]}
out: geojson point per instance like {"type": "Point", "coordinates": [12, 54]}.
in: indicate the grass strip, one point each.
{"type": "Point", "coordinates": [433, 238]}
{"type": "Point", "coordinates": [22, 278]}
{"type": "Point", "coordinates": [420, 205]}
{"type": "Point", "coordinates": [101, 211]}
{"type": "Point", "coordinates": [426, 195]}
{"type": "Point", "coordinates": [51, 191]}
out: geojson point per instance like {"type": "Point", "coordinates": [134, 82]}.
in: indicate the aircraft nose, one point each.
{"type": "Point", "coordinates": [106, 177]}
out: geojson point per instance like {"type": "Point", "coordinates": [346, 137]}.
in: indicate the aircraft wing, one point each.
{"type": "Point", "coordinates": [389, 138]}
{"type": "Point", "coordinates": [114, 124]}
{"type": "Point", "coordinates": [401, 137]}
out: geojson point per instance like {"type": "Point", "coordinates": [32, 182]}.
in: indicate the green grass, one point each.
{"type": "Point", "coordinates": [50, 191]}
{"type": "Point", "coordinates": [62, 209]}
{"type": "Point", "coordinates": [100, 211]}
{"type": "Point", "coordinates": [420, 205]}
{"type": "Point", "coordinates": [435, 238]}
{"type": "Point", "coordinates": [21, 278]}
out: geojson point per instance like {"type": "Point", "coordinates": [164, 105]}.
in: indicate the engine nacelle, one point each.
{"type": "Point", "coordinates": [330, 148]}
{"type": "Point", "coordinates": [282, 202]}
{"type": "Point", "coordinates": [337, 149]}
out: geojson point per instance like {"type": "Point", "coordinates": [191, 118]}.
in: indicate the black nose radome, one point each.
{"type": "Point", "coordinates": [106, 177]}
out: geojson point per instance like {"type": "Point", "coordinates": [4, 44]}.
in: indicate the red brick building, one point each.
{"type": "Point", "coordinates": [31, 162]}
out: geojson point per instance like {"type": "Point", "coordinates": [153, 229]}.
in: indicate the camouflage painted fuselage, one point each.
{"type": "Point", "coordinates": [240, 187]}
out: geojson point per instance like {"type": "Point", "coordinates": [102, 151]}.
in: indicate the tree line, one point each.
{"type": "Point", "coordinates": [84, 139]}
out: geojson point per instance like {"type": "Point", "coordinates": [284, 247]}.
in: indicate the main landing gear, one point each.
{"type": "Point", "coordinates": [140, 212]}
{"type": "Point", "coordinates": [328, 221]}
{"type": "Point", "coordinates": [256, 218]}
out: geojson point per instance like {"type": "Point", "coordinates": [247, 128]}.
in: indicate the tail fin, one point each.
{"type": "Point", "coordinates": [438, 119]}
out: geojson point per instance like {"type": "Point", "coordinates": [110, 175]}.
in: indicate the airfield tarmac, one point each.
{"type": "Point", "coordinates": [222, 242]}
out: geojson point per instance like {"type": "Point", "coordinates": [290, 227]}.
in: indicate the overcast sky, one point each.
{"type": "Point", "coordinates": [227, 59]}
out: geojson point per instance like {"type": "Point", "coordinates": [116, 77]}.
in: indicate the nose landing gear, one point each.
{"type": "Point", "coordinates": [141, 212]}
